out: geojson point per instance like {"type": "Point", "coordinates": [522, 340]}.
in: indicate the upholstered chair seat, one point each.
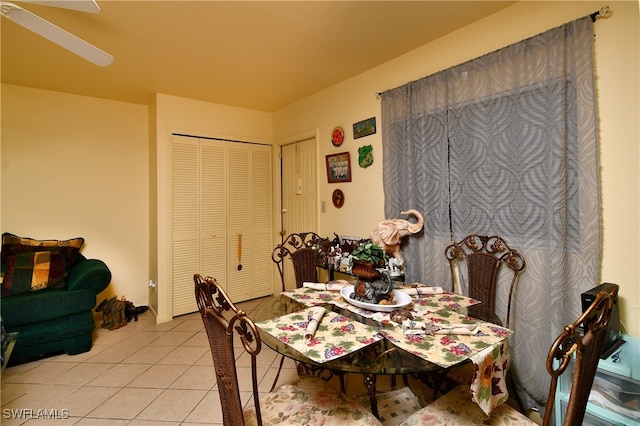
{"type": "Point", "coordinates": [457, 408]}
{"type": "Point", "coordinates": [310, 400]}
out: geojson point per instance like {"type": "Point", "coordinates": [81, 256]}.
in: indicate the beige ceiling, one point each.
{"type": "Point", "coordinates": [262, 55]}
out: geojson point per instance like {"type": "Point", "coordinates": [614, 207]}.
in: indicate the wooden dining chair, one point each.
{"type": "Point", "coordinates": [302, 399]}
{"type": "Point", "coordinates": [580, 344]}
{"type": "Point", "coordinates": [484, 257]}
{"type": "Point", "coordinates": [303, 249]}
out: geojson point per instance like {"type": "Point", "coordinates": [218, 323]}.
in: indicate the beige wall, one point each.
{"type": "Point", "coordinates": [617, 57]}
{"type": "Point", "coordinates": [94, 166]}
{"type": "Point", "coordinates": [74, 166]}
{"type": "Point", "coordinates": [190, 117]}
{"type": "Point", "coordinates": [78, 166]}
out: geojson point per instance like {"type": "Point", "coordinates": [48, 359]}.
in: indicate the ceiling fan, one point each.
{"type": "Point", "coordinates": [54, 33]}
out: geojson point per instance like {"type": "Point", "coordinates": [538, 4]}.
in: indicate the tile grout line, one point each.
{"type": "Point", "coordinates": [112, 344]}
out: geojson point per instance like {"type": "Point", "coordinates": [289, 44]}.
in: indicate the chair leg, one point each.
{"type": "Point", "coordinates": [275, 381]}
{"type": "Point", "coordinates": [343, 385]}
{"type": "Point", "coordinates": [370, 383]}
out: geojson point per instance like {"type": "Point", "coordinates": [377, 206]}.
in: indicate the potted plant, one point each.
{"type": "Point", "coordinates": [365, 259]}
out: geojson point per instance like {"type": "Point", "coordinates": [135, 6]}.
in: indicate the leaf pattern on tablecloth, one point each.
{"type": "Point", "coordinates": [421, 305]}
{"type": "Point", "coordinates": [446, 300]}
{"type": "Point", "coordinates": [335, 336]}
{"type": "Point", "coordinates": [338, 335]}
{"type": "Point", "coordinates": [311, 297]}
{"type": "Point", "coordinates": [447, 350]}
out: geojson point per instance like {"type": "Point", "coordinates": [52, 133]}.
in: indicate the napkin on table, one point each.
{"type": "Point", "coordinates": [457, 329]}
{"type": "Point", "coordinates": [329, 286]}
{"type": "Point", "coordinates": [314, 317]}
{"type": "Point", "coordinates": [420, 327]}
{"type": "Point", "coordinates": [420, 290]}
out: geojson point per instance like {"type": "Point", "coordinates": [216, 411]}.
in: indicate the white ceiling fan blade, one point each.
{"type": "Point", "coordinates": [89, 6]}
{"type": "Point", "coordinates": [56, 34]}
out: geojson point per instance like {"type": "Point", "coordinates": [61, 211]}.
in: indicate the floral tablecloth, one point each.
{"type": "Point", "coordinates": [420, 306]}
{"type": "Point", "coordinates": [486, 348]}
{"type": "Point", "coordinates": [335, 336]}
{"type": "Point", "coordinates": [489, 382]}
{"type": "Point", "coordinates": [451, 349]}
{"type": "Point", "coordinates": [311, 297]}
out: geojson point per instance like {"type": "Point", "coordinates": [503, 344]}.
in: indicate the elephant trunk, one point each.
{"type": "Point", "coordinates": [416, 227]}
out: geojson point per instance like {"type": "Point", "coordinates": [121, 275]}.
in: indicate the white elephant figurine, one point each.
{"type": "Point", "coordinates": [389, 232]}
{"type": "Point", "coordinates": [395, 266]}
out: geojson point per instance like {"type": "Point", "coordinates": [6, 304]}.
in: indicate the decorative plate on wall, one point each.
{"type": "Point", "coordinates": [365, 156]}
{"type": "Point", "coordinates": [337, 198]}
{"type": "Point", "coordinates": [337, 136]}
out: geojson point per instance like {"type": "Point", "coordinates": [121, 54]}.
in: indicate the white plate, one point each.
{"type": "Point", "coordinates": [402, 299]}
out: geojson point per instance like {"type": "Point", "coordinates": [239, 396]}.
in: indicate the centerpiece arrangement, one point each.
{"type": "Point", "coordinates": [374, 283]}
{"type": "Point", "coordinates": [367, 258]}
{"type": "Point", "coordinates": [373, 261]}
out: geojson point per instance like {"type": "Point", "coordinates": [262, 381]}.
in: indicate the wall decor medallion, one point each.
{"type": "Point", "coordinates": [364, 128]}
{"type": "Point", "coordinates": [338, 167]}
{"type": "Point", "coordinates": [337, 136]}
{"type": "Point", "coordinates": [337, 198]}
{"type": "Point", "coordinates": [365, 156]}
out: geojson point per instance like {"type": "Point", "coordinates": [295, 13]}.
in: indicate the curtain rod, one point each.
{"type": "Point", "coordinates": [603, 12]}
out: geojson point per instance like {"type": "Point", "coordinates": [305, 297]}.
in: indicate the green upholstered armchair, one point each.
{"type": "Point", "coordinates": [56, 319]}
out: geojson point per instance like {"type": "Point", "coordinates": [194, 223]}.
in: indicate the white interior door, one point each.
{"type": "Point", "coordinates": [299, 187]}
{"type": "Point", "coordinates": [299, 193]}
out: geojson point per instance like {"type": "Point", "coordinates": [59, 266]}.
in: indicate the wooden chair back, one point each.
{"type": "Point", "coordinates": [484, 255]}
{"type": "Point", "coordinates": [221, 321]}
{"type": "Point", "coordinates": [303, 249]}
{"type": "Point", "coordinates": [583, 342]}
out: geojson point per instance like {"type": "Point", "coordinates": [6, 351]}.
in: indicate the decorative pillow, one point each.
{"type": "Point", "coordinates": [28, 254]}
{"type": "Point", "coordinates": [31, 271]}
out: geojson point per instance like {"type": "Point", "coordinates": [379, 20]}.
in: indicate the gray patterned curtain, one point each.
{"type": "Point", "coordinates": [505, 145]}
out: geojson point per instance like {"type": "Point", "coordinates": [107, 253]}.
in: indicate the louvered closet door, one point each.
{"type": "Point", "coordinates": [249, 221]}
{"type": "Point", "coordinates": [199, 217]}
{"type": "Point", "coordinates": [238, 223]}
{"type": "Point", "coordinates": [261, 228]}
{"type": "Point", "coordinates": [185, 195]}
{"type": "Point", "coordinates": [213, 219]}
{"type": "Point", "coordinates": [220, 218]}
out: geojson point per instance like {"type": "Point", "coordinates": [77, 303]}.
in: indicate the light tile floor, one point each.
{"type": "Point", "coordinates": [143, 374]}
{"type": "Point", "coordinates": [140, 374]}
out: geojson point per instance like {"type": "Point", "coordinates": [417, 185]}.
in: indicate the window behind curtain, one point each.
{"type": "Point", "coordinates": [504, 166]}
{"type": "Point", "coordinates": [505, 145]}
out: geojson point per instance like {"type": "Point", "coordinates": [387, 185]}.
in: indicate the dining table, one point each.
{"type": "Point", "coordinates": [347, 338]}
